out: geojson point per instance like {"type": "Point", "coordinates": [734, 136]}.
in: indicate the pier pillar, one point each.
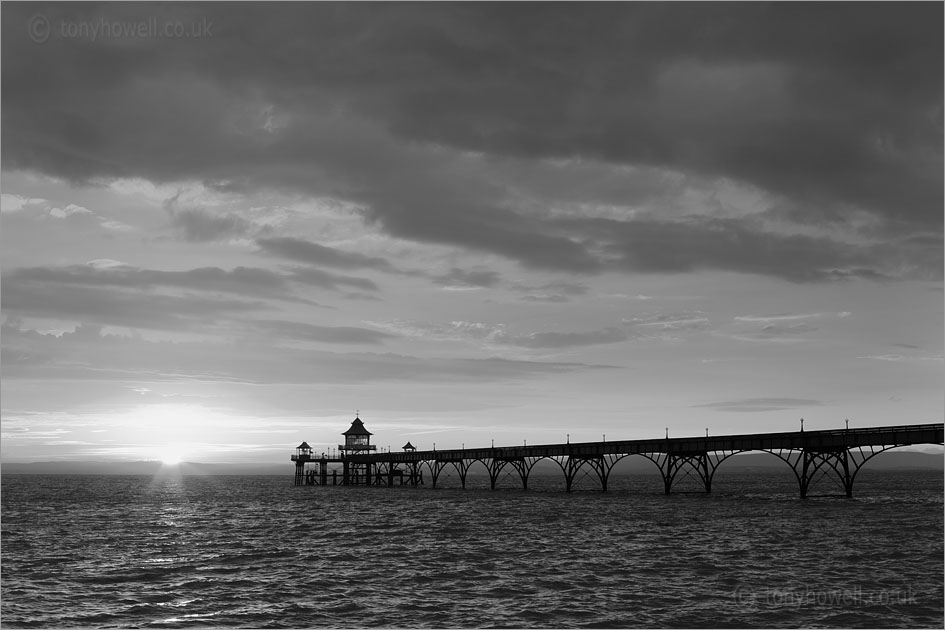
{"type": "Point", "coordinates": [706, 473]}
{"type": "Point", "coordinates": [847, 478]}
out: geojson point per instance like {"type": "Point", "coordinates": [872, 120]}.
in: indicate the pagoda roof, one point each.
{"type": "Point", "coordinates": [408, 447]}
{"type": "Point", "coordinates": [303, 445]}
{"type": "Point", "coordinates": [357, 428]}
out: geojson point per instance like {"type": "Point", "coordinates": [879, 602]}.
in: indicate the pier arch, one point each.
{"type": "Point", "coordinates": [840, 465]}
{"type": "Point", "coordinates": [477, 475]}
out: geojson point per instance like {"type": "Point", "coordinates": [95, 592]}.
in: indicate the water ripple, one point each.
{"type": "Point", "coordinates": [257, 552]}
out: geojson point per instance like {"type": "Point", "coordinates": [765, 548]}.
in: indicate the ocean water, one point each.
{"type": "Point", "coordinates": [176, 551]}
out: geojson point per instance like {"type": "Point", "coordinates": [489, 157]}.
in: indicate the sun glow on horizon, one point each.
{"type": "Point", "coordinates": [171, 456]}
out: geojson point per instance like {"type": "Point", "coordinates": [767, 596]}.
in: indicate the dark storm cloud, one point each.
{"type": "Point", "coordinates": [412, 111]}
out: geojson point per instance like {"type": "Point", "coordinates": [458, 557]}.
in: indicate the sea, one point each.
{"type": "Point", "coordinates": [179, 551]}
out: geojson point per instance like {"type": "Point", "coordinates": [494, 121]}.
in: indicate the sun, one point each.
{"type": "Point", "coordinates": [171, 456]}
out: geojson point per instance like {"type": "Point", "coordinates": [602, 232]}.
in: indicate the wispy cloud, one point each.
{"type": "Point", "coordinates": [300, 331]}
{"type": "Point", "coordinates": [757, 405]}
{"type": "Point", "coordinates": [468, 279]}
{"type": "Point", "coordinates": [498, 335]}
{"type": "Point", "coordinates": [110, 357]}
{"type": "Point", "coordinates": [304, 251]}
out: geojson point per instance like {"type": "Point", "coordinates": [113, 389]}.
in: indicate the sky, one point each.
{"type": "Point", "coordinates": [228, 228]}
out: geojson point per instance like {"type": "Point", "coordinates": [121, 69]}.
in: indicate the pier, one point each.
{"type": "Point", "coordinates": [811, 455]}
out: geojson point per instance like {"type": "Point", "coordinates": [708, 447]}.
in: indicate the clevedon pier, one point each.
{"type": "Point", "coordinates": [811, 455]}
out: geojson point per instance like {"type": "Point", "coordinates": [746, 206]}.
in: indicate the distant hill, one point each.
{"type": "Point", "coordinates": [883, 461]}
{"type": "Point", "coordinates": [144, 468]}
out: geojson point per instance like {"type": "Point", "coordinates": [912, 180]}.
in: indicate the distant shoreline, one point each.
{"type": "Point", "coordinates": [884, 461]}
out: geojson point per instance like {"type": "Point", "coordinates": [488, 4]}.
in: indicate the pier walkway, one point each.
{"type": "Point", "coordinates": [811, 455]}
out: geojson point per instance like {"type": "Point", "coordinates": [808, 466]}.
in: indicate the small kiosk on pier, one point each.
{"type": "Point", "coordinates": [355, 462]}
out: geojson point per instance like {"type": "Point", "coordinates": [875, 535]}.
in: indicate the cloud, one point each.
{"type": "Point", "coordinates": [108, 292]}
{"type": "Point", "coordinates": [61, 213]}
{"type": "Point", "coordinates": [312, 253]}
{"type": "Point", "coordinates": [453, 331]}
{"type": "Point", "coordinates": [299, 331]}
{"type": "Point", "coordinates": [555, 298]}
{"type": "Point", "coordinates": [495, 335]}
{"type": "Point", "coordinates": [549, 340]}
{"type": "Point", "coordinates": [14, 203]}
{"type": "Point", "coordinates": [694, 243]}
{"type": "Point", "coordinates": [671, 321]}
{"type": "Point", "coordinates": [780, 328]}
{"type": "Point", "coordinates": [200, 225]}
{"type": "Point", "coordinates": [899, 358]}
{"type": "Point", "coordinates": [776, 332]}
{"type": "Point", "coordinates": [467, 279]}
{"type": "Point", "coordinates": [766, 319]}
{"type": "Point", "coordinates": [134, 309]}
{"type": "Point", "coordinates": [239, 280]}
{"type": "Point", "coordinates": [756, 405]}
{"type": "Point", "coordinates": [75, 216]}
{"type": "Point", "coordinates": [319, 278]}
{"type": "Point", "coordinates": [93, 355]}
{"type": "Point", "coordinates": [462, 125]}
{"type": "Point", "coordinates": [557, 291]}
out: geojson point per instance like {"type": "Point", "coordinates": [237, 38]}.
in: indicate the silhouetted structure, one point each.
{"type": "Point", "coordinates": [355, 462]}
{"type": "Point", "coordinates": [303, 455]}
{"type": "Point", "coordinates": [357, 469]}
{"type": "Point", "coordinates": [810, 454]}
